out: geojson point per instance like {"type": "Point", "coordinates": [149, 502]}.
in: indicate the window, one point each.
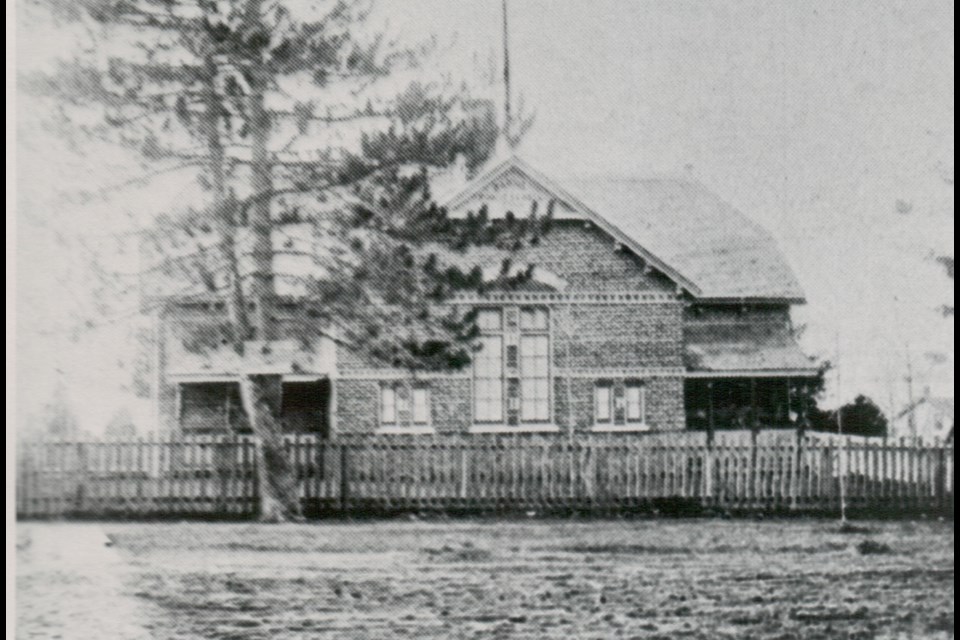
{"type": "Point", "coordinates": [534, 364]}
{"type": "Point", "coordinates": [535, 378]}
{"type": "Point", "coordinates": [535, 319]}
{"type": "Point", "coordinates": [488, 380]}
{"type": "Point", "coordinates": [512, 369]}
{"type": "Point", "coordinates": [421, 405]}
{"type": "Point", "coordinates": [489, 320]}
{"type": "Point", "coordinates": [401, 405]}
{"type": "Point", "coordinates": [636, 400]}
{"type": "Point", "coordinates": [388, 405]}
{"type": "Point", "coordinates": [211, 407]}
{"type": "Point", "coordinates": [603, 400]}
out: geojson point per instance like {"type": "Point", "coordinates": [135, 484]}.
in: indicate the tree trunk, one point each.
{"type": "Point", "coordinates": [276, 481]}
{"type": "Point", "coordinates": [260, 393]}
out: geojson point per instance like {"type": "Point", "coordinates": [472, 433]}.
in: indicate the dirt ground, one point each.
{"type": "Point", "coordinates": [528, 579]}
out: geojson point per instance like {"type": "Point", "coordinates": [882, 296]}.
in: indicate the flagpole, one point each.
{"type": "Point", "coordinates": [507, 115]}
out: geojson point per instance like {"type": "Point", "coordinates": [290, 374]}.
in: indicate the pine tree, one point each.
{"type": "Point", "coordinates": [388, 261]}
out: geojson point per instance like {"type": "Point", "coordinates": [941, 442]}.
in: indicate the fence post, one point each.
{"type": "Point", "coordinates": [222, 466]}
{"type": "Point", "coordinates": [827, 481]}
{"type": "Point", "coordinates": [344, 481]}
{"type": "Point", "coordinates": [708, 471]}
{"type": "Point", "coordinates": [23, 479]}
{"type": "Point", "coordinates": [940, 476]}
{"type": "Point", "coordinates": [753, 484]}
{"type": "Point", "coordinates": [464, 472]}
{"type": "Point", "coordinates": [81, 477]}
{"type": "Point", "coordinates": [796, 472]}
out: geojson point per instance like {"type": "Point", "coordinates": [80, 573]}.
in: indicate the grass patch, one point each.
{"type": "Point", "coordinates": [551, 580]}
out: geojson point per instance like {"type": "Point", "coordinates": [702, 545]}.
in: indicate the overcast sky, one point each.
{"type": "Point", "coordinates": [831, 123]}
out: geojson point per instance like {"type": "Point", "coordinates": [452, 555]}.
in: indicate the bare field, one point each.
{"type": "Point", "coordinates": [539, 579]}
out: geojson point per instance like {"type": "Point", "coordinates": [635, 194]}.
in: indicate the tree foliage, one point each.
{"type": "Point", "coordinates": [862, 417]}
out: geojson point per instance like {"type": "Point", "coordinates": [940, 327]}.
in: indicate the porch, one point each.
{"type": "Point", "coordinates": [718, 403]}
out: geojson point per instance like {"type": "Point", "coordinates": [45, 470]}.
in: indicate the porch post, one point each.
{"type": "Point", "coordinates": [754, 432]}
{"type": "Point", "coordinates": [708, 458]}
{"type": "Point", "coordinates": [711, 424]}
{"type": "Point", "coordinates": [787, 389]}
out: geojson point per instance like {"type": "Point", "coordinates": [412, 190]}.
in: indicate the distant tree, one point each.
{"type": "Point", "coordinates": [862, 417]}
{"type": "Point", "coordinates": [805, 394]}
{"type": "Point", "coordinates": [121, 425]}
{"type": "Point", "coordinates": [59, 419]}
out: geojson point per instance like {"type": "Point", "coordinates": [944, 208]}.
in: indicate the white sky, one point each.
{"type": "Point", "coordinates": [813, 117]}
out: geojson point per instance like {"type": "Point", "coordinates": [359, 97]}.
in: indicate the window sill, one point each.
{"type": "Point", "coordinates": [520, 428]}
{"type": "Point", "coordinates": [621, 428]}
{"type": "Point", "coordinates": [415, 431]}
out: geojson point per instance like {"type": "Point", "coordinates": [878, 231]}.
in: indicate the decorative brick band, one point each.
{"type": "Point", "coordinates": [607, 372]}
{"type": "Point", "coordinates": [586, 297]}
{"type": "Point", "coordinates": [393, 374]}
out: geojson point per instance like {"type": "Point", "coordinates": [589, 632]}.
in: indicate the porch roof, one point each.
{"type": "Point", "coordinates": [284, 357]}
{"type": "Point", "coordinates": [756, 351]}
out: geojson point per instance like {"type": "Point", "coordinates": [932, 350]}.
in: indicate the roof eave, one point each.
{"type": "Point", "coordinates": [807, 372]}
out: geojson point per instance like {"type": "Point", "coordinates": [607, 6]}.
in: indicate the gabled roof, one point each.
{"type": "Point", "coordinates": [678, 226]}
{"type": "Point", "coordinates": [725, 253]}
{"type": "Point", "coordinates": [942, 406]}
{"type": "Point", "coordinates": [568, 200]}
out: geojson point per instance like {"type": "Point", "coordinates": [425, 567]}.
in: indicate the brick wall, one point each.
{"type": "Point", "coordinates": [593, 341]}
{"type": "Point", "coordinates": [582, 255]}
{"type": "Point", "coordinates": [596, 337]}
{"type": "Point", "coordinates": [618, 335]}
{"type": "Point", "coordinates": [585, 258]}
{"type": "Point", "coordinates": [357, 406]}
{"type": "Point", "coordinates": [450, 404]}
{"type": "Point", "coordinates": [600, 338]}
